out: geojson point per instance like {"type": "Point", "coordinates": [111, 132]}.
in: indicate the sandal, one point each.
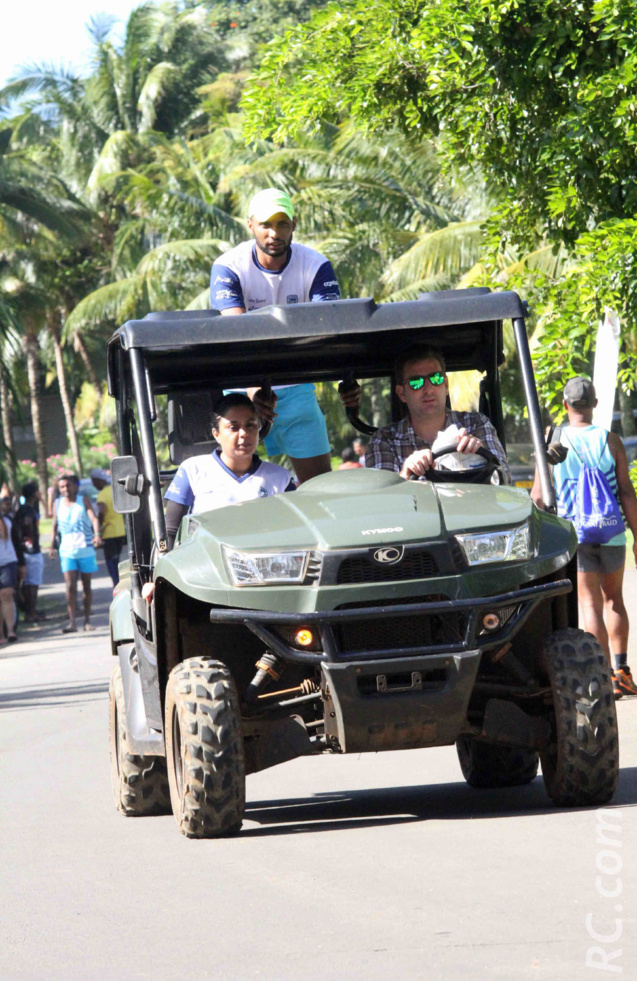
{"type": "Point", "coordinates": [89, 627]}
{"type": "Point", "coordinates": [12, 638]}
{"type": "Point", "coordinates": [69, 629]}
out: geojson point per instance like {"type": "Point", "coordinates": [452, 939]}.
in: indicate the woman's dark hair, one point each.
{"type": "Point", "coordinates": [71, 478]}
{"type": "Point", "coordinates": [348, 455]}
{"type": "Point", "coordinates": [29, 489]}
{"type": "Point", "coordinates": [230, 401]}
{"type": "Point", "coordinates": [417, 352]}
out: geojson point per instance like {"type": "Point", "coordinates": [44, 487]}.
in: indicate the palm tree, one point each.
{"type": "Point", "coordinates": [146, 84]}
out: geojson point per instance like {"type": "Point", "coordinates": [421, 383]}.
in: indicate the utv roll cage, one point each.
{"type": "Point", "coordinates": [192, 356]}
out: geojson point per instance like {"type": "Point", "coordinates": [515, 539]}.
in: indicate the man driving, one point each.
{"type": "Point", "coordinates": [405, 446]}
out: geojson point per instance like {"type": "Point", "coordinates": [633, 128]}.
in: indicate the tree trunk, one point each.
{"type": "Point", "coordinates": [7, 431]}
{"type": "Point", "coordinates": [626, 408]}
{"type": "Point", "coordinates": [54, 331]}
{"type": "Point", "coordinates": [79, 347]}
{"type": "Point", "coordinates": [33, 372]}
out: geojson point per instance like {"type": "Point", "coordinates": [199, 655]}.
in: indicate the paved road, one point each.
{"type": "Point", "coordinates": [370, 867]}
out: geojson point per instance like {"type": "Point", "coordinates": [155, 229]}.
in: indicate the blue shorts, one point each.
{"type": "Point", "coordinates": [84, 565]}
{"type": "Point", "coordinates": [9, 575]}
{"type": "Point", "coordinates": [35, 569]}
{"type": "Point", "coordinates": [299, 429]}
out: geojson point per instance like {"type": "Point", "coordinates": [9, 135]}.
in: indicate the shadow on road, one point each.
{"type": "Point", "coordinates": [398, 805]}
{"type": "Point", "coordinates": [21, 699]}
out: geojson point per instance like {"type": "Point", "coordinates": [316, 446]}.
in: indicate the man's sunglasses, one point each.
{"type": "Point", "coordinates": [416, 383]}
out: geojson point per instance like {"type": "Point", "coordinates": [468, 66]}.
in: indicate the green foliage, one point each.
{"type": "Point", "coordinates": [540, 93]}
{"type": "Point", "coordinates": [602, 273]}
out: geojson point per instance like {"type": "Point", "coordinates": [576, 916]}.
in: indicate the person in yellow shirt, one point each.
{"type": "Point", "coordinates": [111, 523]}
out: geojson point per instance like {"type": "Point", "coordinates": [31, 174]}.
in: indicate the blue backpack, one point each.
{"type": "Point", "coordinates": [598, 517]}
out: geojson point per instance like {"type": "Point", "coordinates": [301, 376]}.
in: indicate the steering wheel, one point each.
{"type": "Point", "coordinates": [476, 475]}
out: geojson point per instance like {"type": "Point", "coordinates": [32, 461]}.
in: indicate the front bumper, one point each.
{"type": "Point", "coordinates": [457, 622]}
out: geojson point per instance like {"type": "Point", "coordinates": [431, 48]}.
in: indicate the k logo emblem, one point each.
{"type": "Point", "coordinates": [389, 554]}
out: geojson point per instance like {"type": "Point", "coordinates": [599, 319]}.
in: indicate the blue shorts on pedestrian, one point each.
{"type": "Point", "coordinates": [85, 565]}
{"type": "Point", "coordinates": [9, 575]}
{"type": "Point", "coordinates": [299, 429]}
{"type": "Point", "coordinates": [35, 569]}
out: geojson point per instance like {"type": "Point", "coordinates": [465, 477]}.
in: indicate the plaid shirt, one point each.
{"type": "Point", "coordinates": [390, 446]}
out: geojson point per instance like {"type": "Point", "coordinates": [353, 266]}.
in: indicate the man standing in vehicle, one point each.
{"type": "Point", "coordinates": [600, 567]}
{"type": "Point", "coordinates": [405, 446]}
{"type": "Point", "coordinates": [266, 270]}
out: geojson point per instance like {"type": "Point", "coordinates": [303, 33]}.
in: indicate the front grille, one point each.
{"type": "Point", "coordinates": [416, 564]}
{"type": "Point", "coordinates": [415, 630]}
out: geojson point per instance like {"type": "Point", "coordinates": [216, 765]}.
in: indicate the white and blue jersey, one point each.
{"type": "Point", "coordinates": [588, 445]}
{"type": "Point", "coordinates": [76, 530]}
{"type": "Point", "coordinates": [204, 483]}
{"type": "Point", "coordinates": [237, 279]}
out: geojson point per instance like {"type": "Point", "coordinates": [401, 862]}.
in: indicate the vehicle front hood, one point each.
{"type": "Point", "coordinates": [352, 508]}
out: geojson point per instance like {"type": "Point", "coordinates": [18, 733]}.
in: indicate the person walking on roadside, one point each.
{"type": "Point", "coordinates": [111, 523]}
{"type": "Point", "coordinates": [26, 524]}
{"type": "Point", "coordinates": [80, 534]}
{"type": "Point", "coordinates": [269, 269]}
{"type": "Point", "coordinates": [11, 570]}
{"type": "Point", "coordinates": [600, 567]}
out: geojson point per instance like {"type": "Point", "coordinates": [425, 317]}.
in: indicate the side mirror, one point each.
{"type": "Point", "coordinates": [128, 484]}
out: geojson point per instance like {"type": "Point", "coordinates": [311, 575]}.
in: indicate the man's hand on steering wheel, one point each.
{"type": "Point", "coordinates": [467, 443]}
{"type": "Point", "coordinates": [417, 464]}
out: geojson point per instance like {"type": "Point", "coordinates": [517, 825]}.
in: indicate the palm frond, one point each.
{"type": "Point", "coordinates": [201, 251]}
{"type": "Point", "coordinates": [201, 301]}
{"type": "Point", "coordinates": [156, 85]}
{"type": "Point", "coordinates": [105, 303]}
{"type": "Point", "coordinates": [450, 250]}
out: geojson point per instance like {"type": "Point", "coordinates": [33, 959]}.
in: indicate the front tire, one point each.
{"type": "Point", "coordinates": [489, 765]}
{"type": "Point", "coordinates": [582, 766]}
{"type": "Point", "coordinates": [204, 747]}
{"type": "Point", "coordinates": [140, 783]}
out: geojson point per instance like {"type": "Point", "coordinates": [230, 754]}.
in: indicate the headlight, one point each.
{"type": "Point", "coordinates": [261, 568]}
{"type": "Point", "coordinates": [497, 546]}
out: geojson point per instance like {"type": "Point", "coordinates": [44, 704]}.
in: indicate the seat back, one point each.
{"type": "Point", "coordinates": [190, 423]}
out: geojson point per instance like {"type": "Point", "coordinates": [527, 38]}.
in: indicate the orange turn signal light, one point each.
{"type": "Point", "coordinates": [304, 637]}
{"type": "Point", "coordinates": [491, 621]}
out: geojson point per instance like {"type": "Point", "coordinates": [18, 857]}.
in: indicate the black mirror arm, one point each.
{"type": "Point", "coordinates": [348, 384]}
{"type": "Point", "coordinates": [266, 426]}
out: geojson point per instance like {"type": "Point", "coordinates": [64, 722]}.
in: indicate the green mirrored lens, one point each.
{"type": "Point", "coordinates": [436, 378]}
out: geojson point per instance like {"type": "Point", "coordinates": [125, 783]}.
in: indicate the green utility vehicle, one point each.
{"type": "Point", "coordinates": [362, 612]}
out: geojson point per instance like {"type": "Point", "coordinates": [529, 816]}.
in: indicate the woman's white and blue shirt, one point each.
{"type": "Point", "coordinates": [204, 483]}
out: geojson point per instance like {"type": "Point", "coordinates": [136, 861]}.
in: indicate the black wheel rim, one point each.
{"type": "Point", "coordinates": [178, 763]}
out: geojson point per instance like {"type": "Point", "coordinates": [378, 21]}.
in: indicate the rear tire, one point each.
{"type": "Point", "coordinates": [489, 765]}
{"type": "Point", "coordinates": [140, 783]}
{"type": "Point", "coordinates": [582, 766]}
{"type": "Point", "coordinates": [204, 747]}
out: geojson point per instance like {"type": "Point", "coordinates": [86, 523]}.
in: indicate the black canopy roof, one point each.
{"type": "Point", "coordinates": [314, 341]}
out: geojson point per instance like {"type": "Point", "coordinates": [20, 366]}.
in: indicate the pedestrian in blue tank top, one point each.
{"type": "Point", "coordinates": [600, 568]}
{"type": "Point", "coordinates": [80, 534]}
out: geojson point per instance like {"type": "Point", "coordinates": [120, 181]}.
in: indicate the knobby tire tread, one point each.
{"type": "Point", "coordinates": [489, 765]}
{"type": "Point", "coordinates": [211, 801]}
{"type": "Point", "coordinates": [582, 767]}
{"type": "Point", "coordinates": [140, 783]}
